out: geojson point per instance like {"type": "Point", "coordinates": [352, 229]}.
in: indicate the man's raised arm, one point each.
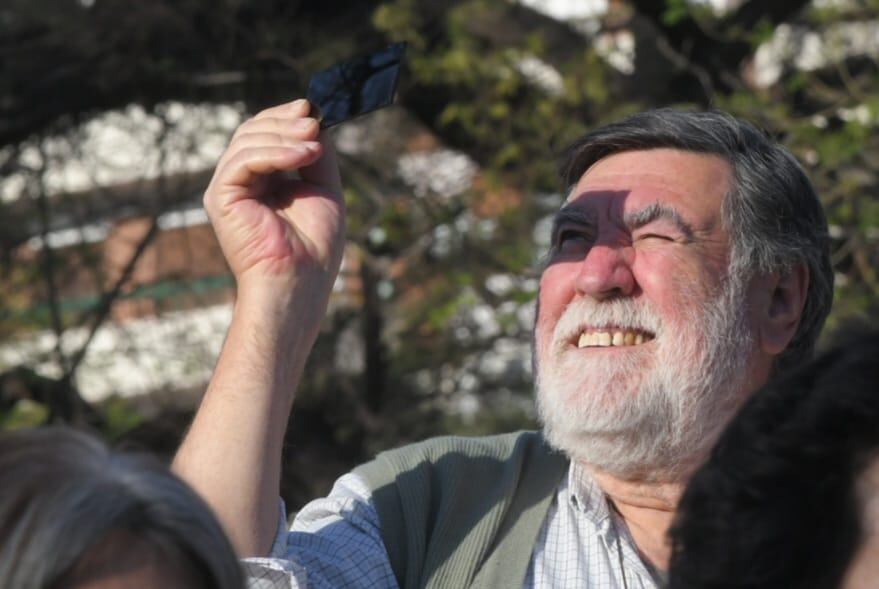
{"type": "Point", "coordinates": [283, 240]}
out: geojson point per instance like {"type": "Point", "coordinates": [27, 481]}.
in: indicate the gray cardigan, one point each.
{"type": "Point", "coordinates": [464, 512]}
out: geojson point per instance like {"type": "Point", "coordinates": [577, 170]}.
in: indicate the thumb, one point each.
{"type": "Point", "coordinates": [325, 170]}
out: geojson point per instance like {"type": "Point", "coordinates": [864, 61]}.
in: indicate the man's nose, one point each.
{"type": "Point", "coordinates": [605, 273]}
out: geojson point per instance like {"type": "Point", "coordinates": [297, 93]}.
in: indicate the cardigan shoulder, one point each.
{"type": "Point", "coordinates": [446, 503]}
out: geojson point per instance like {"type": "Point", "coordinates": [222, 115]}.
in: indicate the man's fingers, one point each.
{"type": "Point", "coordinates": [249, 163]}
{"type": "Point", "coordinates": [270, 132]}
{"type": "Point", "coordinates": [303, 128]}
{"type": "Point", "coordinates": [278, 139]}
{"type": "Point", "coordinates": [268, 139]}
{"type": "Point", "coordinates": [325, 170]}
{"type": "Point", "coordinates": [297, 108]}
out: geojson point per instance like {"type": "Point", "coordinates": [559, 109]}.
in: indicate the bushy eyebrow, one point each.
{"type": "Point", "coordinates": [655, 211]}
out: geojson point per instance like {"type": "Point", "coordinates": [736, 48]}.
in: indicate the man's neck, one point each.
{"type": "Point", "coordinates": [647, 509]}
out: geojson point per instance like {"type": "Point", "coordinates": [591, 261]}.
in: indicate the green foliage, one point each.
{"type": "Point", "coordinates": [401, 21]}
{"type": "Point", "coordinates": [761, 33]}
{"type": "Point", "coordinates": [830, 12]}
{"type": "Point", "coordinates": [24, 414]}
{"type": "Point", "coordinates": [441, 312]}
{"type": "Point", "coordinates": [119, 417]}
{"type": "Point", "coordinates": [675, 12]}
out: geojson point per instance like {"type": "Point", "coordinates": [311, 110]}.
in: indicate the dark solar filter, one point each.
{"type": "Point", "coordinates": [357, 86]}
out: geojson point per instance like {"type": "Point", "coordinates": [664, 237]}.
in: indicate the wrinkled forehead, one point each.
{"type": "Point", "coordinates": [694, 184]}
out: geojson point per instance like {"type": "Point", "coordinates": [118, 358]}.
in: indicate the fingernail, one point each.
{"type": "Point", "coordinates": [306, 147]}
{"type": "Point", "coordinates": [298, 103]}
{"type": "Point", "coordinates": [303, 123]}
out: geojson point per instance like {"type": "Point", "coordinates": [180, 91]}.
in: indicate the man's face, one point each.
{"type": "Point", "coordinates": [640, 339]}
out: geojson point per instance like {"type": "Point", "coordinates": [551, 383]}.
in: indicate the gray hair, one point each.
{"type": "Point", "coordinates": [773, 216]}
{"type": "Point", "coordinates": [69, 504]}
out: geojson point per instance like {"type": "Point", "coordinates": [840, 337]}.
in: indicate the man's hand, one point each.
{"type": "Point", "coordinates": [283, 238]}
{"type": "Point", "coordinates": [277, 231]}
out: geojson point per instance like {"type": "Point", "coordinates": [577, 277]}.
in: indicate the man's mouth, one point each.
{"type": "Point", "coordinates": [598, 338]}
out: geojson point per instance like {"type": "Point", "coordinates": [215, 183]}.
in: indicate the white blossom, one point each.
{"type": "Point", "coordinates": [442, 172]}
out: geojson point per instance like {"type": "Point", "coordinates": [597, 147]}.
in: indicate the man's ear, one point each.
{"type": "Point", "coordinates": [779, 302]}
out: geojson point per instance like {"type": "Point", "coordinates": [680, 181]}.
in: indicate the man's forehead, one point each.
{"type": "Point", "coordinates": [613, 178]}
{"type": "Point", "coordinates": [646, 188]}
{"type": "Point", "coordinates": [681, 179]}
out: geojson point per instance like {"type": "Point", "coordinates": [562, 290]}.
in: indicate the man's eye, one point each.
{"type": "Point", "coordinates": [571, 239]}
{"type": "Point", "coordinates": [655, 236]}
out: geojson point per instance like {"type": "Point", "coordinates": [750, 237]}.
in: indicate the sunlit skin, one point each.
{"type": "Point", "coordinates": [600, 251]}
{"type": "Point", "coordinates": [605, 259]}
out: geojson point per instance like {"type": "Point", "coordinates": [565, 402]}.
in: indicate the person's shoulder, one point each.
{"type": "Point", "coordinates": [460, 455]}
{"type": "Point", "coordinates": [498, 446]}
{"type": "Point", "coordinates": [431, 494]}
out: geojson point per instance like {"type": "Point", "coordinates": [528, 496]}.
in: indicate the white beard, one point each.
{"type": "Point", "coordinates": [649, 414]}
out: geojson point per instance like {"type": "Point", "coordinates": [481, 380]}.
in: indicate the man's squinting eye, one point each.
{"type": "Point", "coordinates": [654, 236]}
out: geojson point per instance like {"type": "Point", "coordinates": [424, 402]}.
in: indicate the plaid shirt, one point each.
{"type": "Point", "coordinates": [336, 542]}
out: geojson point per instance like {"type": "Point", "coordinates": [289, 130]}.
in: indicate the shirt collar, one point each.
{"type": "Point", "coordinates": [588, 498]}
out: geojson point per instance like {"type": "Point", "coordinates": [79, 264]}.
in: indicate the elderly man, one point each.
{"type": "Point", "coordinates": [689, 262]}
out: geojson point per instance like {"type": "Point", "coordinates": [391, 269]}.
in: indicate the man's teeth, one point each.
{"type": "Point", "coordinates": [612, 338]}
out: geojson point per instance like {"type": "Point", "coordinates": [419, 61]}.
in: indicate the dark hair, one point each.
{"type": "Point", "coordinates": [776, 504]}
{"type": "Point", "coordinates": [68, 504]}
{"type": "Point", "coordinates": [772, 213]}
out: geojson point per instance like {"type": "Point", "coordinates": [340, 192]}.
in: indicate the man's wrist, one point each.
{"type": "Point", "coordinates": [280, 313]}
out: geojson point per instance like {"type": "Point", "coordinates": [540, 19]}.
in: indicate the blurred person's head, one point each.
{"type": "Point", "coordinates": [74, 514]}
{"type": "Point", "coordinates": [689, 262]}
{"type": "Point", "coordinates": [790, 494]}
